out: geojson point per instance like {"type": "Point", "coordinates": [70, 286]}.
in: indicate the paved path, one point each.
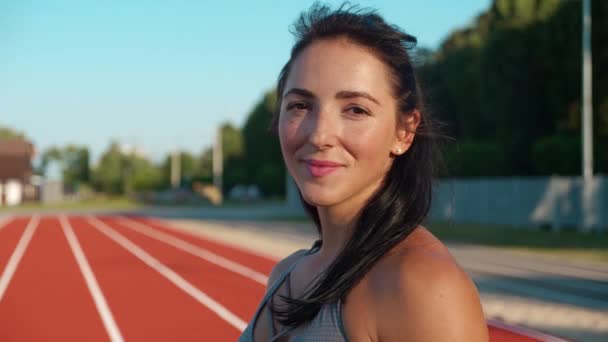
{"type": "Point", "coordinates": [567, 298]}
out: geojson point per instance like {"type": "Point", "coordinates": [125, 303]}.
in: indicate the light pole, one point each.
{"type": "Point", "coordinates": [176, 169]}
{"type": "Point", "coordinates": [587, 117]}
{"type": "Point", "coordinates": [590, 211]}
{"type": "Point", "coordinates": [218, 160]}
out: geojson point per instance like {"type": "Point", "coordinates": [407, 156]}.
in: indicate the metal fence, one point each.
{"type": "Point", "coordinates": [556, 202]}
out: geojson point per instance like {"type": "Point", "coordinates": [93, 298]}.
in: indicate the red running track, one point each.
{"type": "Point", "coordinates": [132, 279]}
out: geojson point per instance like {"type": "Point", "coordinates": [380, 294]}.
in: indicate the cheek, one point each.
{"type": "Point", "coordinates": [369, 142]}
{"type": "Point", "coordinates": [288, 132]}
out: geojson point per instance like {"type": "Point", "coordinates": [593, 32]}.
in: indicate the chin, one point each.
{"type": "Point", "coordinates": [318, 203]}
{"type": "Point", "coordinates": [319, 197]}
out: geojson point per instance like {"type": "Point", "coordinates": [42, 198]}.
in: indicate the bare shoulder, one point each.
{"type": "Point", "coordinates": [282, 266]}
{"type": "Point", "coordinates": [420, 293]}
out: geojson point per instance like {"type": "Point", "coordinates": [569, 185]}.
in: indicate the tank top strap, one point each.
{"type": "Point", "coordinates": [275, 286]}
{"type": "Point", "coordinates": [277, 283]}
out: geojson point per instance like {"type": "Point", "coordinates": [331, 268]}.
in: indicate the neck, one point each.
{"type": "Point", "coordinates": [338, 223]}
{"type": "Point", "coordinates": [338, 226]}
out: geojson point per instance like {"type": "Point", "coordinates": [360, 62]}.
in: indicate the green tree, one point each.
{"type": "Point", "coordinates": [235, 170]}
{"type": "Point", "coordinates": [514, 77]}
{"type": "Point", "coordinates": [52, 153]}
{"type": "Point", "coordinates": [262, 159]}
{"type": "Point", "coordinates": [205, 164]}
{"type": "Point", "coordinates": [190, 169]}
{"type": "Point", "coordinates": [74, 161]}
{"type": "Point", "coordinates": [232, 141]}
{"type": "Point", "coordinates": [123, 172]}
{"type": "Point", "coordinates": [75, 166]}
{"type": "Point", "coordinates": [558, 154]}
{"type": "Point", "coordinates": [9, 133]}
{"type": "Point", "coordinates": [145, 176]}
{"type": "Point", "coordinates": [109, 175]}
{"type": "Point", "coordinates": [475, 159]}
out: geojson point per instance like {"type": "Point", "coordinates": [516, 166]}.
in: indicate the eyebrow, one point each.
{"type": "Point", "coordinates": [344, 94]}
{"type": "Point", "coordinates": [299, 91]}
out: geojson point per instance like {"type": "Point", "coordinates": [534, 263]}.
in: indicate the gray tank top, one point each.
{"type": "Point", "coordinates": [326, 326]}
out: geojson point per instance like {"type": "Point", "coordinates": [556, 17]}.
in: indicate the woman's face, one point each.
{"type": "Point", "coordinates": [338, 123]}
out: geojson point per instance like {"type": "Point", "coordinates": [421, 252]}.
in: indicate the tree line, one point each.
{"type": "Point", "coordinates": [509, 89]}
{"type": "Point", "coordinates": [251, 156]}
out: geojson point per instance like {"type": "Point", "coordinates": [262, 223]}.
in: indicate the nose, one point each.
{"type": "Point", "coordinates": [322, 130]}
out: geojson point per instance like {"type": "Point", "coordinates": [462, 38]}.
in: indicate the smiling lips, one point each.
{"type": "Point", "coordinates": [320, 168]}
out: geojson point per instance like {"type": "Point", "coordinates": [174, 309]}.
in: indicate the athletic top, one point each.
{"type": "Point", "coordinates": [326, 326]}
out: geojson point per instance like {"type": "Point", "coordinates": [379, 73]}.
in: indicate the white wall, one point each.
{"type": "Point", "coordinates": [13, 192]}
{"type": "Point", "coordinates": [51, 192]}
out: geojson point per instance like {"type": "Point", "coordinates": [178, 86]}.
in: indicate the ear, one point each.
{"type": "Point", "coordinates": [406, 130]}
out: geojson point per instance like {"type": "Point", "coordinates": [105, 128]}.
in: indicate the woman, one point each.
{"type": "Point", "coordinates": [361, 149]}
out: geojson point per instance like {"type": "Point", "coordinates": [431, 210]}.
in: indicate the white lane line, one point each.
{"type": "Point", "coordinates": [15, 258]}
{"type": "Point", "coordinates": [195, 250]}
{"type": "Point", "coordinates": [168, 273]}
{"type": "Point", "coordinates": [100, 302]}
{"type": "Point", "coordinates": [4, 220]}
{"type": "Point", "coordinates": [199, 234]}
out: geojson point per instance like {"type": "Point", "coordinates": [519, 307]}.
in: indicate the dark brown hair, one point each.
{"type": "Point", "coordinates": [404, 199]}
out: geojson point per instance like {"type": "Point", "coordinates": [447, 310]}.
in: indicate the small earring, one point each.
{"type": "Point", "coordinates": [398, 151]}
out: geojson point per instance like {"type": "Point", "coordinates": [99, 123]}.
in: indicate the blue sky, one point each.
{"type": "Point", "coordinates": [160, 74]}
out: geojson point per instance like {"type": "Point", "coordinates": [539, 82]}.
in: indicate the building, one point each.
{"type": "Point", "coordinates": [16, 172]}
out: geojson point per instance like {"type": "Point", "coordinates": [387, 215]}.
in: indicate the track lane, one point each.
{"type": "Point", "coordinates": [47, 299]}
{"type": "Point", "coordinates": [85, 268]}
{"type": "Point", "coordinates": [502, 332]}
{"type": "Point", "coordinates": [146, 306]}
{"type": "Point", "coordinates": [499, 332]}
{"type": "Point", "coordinates": [212, 278]}
{"type": "Point", "coordinates": [10, 232]}
{"type": "Point", "coordinates": [238, 293]}
{"type": "Point", "coordinates": [255, 261]}
{"type": "Point", "coordinates": [17, 254]}
{"type": "Point", "coordinates": [199, 252]}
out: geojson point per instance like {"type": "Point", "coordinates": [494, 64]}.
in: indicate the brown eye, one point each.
{"type": "Point", "coordinates": [356, 110]}
{"type": "Point", "coordinates": [297, 106]}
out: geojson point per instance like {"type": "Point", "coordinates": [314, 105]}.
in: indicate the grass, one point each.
{"type": "Point", "coordinates": [564, 244]}
{"type": "Point", "coordinates": [527, 240]}
{"type": "Point", "coordinates": [112, 203]}
{"type": "Point", "coordinates": [122, 203]}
